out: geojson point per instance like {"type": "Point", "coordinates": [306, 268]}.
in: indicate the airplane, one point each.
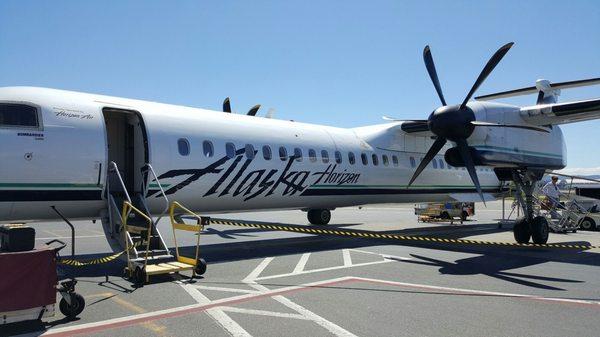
{"type": "Point", "coordinates": [72, 155]}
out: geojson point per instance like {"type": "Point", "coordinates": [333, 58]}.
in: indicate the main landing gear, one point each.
{"type": "Point", "coordinates": [529, 227]}
{"type": "Point", "coordinates": [319, 216]}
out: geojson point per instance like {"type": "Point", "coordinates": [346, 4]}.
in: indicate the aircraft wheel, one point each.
{"type": "Point", "coordinates": [539, 230]}
{"type": "Point", "coordinates": [200, 268]}
{"type": "Point", "coordinates": [587, 224]}
{"type": "Point", "coordinates": [319, 216]}
{"type": "Point", "coordinates": [463, 216]}
{"type": "Point", "coordinates": [76, 307]}
{"type": "Point", "coordinates": [445, 215]}
{"type": "Point", "coordinates": [521, 231]}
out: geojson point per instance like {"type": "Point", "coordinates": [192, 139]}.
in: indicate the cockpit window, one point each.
{"type": "Point", "coordinates": [19, 116]}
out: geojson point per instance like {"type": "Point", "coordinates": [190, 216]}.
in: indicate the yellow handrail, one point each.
{"type": "Point", "coordinates": [186, 227]}
{"type": "Point", "coordinates": [127, 208]}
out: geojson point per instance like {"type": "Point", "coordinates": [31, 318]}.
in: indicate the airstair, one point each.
{"type": "Point", "coordinates": [142, 238]}
{"type": "Point", "coordinates": [130, 227]}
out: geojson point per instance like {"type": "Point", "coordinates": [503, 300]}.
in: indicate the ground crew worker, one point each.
{"type": "Point", "coordinates": [551, 191]}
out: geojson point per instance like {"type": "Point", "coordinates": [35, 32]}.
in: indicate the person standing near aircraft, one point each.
{"type": "Point", "coordinates": [551, 191]}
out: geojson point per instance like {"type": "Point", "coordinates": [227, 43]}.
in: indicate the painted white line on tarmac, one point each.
{"type": "Point", "coordinates": [259, 269]}
{"type": "Point", "coordinates": [479, 292]}
{"type": "Point", "coordinates": [233, 290]}
{"type": "Point", "coordinates": [321, 270]}
{"type": "Point", "coordinates": [302, 263]}
{"type": "Point", "coordinates": [216, 314]}
{"type": "Point", "coordinates": [347, 258]}
{"type": "Point", "coordinates": [329, 326]}
{"type": "Point", "coordinates": [385, 256]}
{"type": "Point", "coordinates": [263, 313]}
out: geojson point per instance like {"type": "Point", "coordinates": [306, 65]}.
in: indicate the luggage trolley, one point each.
{"type": "Point", "coordinates": [140, 271]}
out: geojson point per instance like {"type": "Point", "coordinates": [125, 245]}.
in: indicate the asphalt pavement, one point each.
{"type": "Point", "coordinates": [271, 283]}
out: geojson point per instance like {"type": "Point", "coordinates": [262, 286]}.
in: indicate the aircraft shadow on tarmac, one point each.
{"type": "Point", "coordinates": [494, 261]}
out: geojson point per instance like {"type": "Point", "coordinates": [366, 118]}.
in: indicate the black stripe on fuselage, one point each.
{"type": "Point", "coordinates": [49, 195]}
{"type": "Point", "coordinates": [389, 191]}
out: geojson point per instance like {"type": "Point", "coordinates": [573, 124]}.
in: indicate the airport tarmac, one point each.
{"type": "Point", "coordinates": [273, 283]}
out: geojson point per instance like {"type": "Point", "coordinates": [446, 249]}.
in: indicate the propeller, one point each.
{"type": "Point", "coordinates": [227, 108]}
{"type": "Point", "coordinates": [226, 105]}
{"type": "Point", "coordinates": [253, 110]}
{"type": "Point", "coordinates": [456, 122]}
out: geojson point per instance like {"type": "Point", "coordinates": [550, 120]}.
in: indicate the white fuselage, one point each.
{"type": "Point", "coordinates": [63, 162]}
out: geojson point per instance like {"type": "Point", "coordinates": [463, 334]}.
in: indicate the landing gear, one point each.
{"type": "Point", "coordinates": [319, 216]}
{"type": "Point", "coordinates": [529, 227]}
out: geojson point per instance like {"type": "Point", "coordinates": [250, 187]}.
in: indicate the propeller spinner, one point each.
{"type": "Point", "coordinates": [456, 122]}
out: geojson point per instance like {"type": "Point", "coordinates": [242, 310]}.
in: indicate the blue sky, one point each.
{"type": "Point", "coordinates": [343, 63]}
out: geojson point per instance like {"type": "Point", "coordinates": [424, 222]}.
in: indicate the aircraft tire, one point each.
{"type": "Point", "coordinates": [539, 230]}
{"type": "Point", "coordinates": [521, 231]}
{"type": "Point", "coordinates": [319, 216]}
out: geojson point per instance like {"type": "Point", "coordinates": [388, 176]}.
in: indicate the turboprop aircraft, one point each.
{"type": "Point", "coordinates": [84, 155]}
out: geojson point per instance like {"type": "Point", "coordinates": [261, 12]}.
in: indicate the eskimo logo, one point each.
{"type": "Point", "coordinates": [263, 182]}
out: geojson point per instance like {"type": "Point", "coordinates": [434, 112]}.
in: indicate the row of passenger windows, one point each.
{"type": "Point", "coordinates": [231, 151]}
{"type": "Point", "coordinates": [249, 151]}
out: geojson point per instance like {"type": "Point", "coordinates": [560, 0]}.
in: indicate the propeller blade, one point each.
{"type": "Point", "coordinates": [433, 150]}
{"type": "Point", "coordinates": [432, 73]}
{"type": "Point", "coordinates": [253, 110]}
{"type": "Point", "coordinates": [492, 63]}
{"type": "Point", "coordinates": [226, 105]}
{"type": "Point", "coordinates": [465, 153]}
{"type": "Point", "coordinates": [516, 126]}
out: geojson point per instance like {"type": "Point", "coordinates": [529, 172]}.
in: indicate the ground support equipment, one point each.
{"type": "Point", "coordinates": [140, 271]}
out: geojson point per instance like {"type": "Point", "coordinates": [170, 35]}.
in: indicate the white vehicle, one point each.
{"type": "Point", "coordinates": [85, 154]}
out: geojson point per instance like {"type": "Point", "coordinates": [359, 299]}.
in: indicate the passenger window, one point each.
{"type": "Point", "coordinates": [207, 147]}
{"type": "Point", "coordinates": [183, 146]}
{"type": "Point", "coordinates": [338, 157]}
{"type": "Point", "coordinates": [249, 151]}
{"type": "Point", "coordinates": [386, 161]}
{"type": "Point", "coordinates": [18, 115]}
{"type": "Point", "coordinates": [434, 163]}
{"type": "Point", "coordinates": [230, 150]}
{"type": "Point", "coordinates": [298, 154]}
{"type": "Point", "coordinates": [325, 156]}
{"type": "Point", "coordinates": [395, 160]}
{"type": "Point", "coordinates": [312, 154]}
{"type": "Point", "coordinates": [412, 162]}
{"type": "Point", "coordinates": [364, 158]}
{"type": "Point", "coordinates": [266, 149]}
{"type": "Point", "coordinates": [351, 158]}
{"type": "Point", "coordinates": [375, 159]}
{"type": "Point", "coordinates": [441, 164]}
{"type": "Point", "coordinates": [282, 153]}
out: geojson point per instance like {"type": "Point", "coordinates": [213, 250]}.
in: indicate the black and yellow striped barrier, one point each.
{"type": "Point", "coordinates": [375, 235]}
{"type": "Point", "coordinates": [101, 260]}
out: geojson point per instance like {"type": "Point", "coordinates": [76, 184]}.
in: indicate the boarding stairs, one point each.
{"type": "Point", "coordinates": [141, 245]}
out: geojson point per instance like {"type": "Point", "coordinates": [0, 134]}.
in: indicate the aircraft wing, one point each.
{"type": "Point", "coordinates": [562, 113]}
